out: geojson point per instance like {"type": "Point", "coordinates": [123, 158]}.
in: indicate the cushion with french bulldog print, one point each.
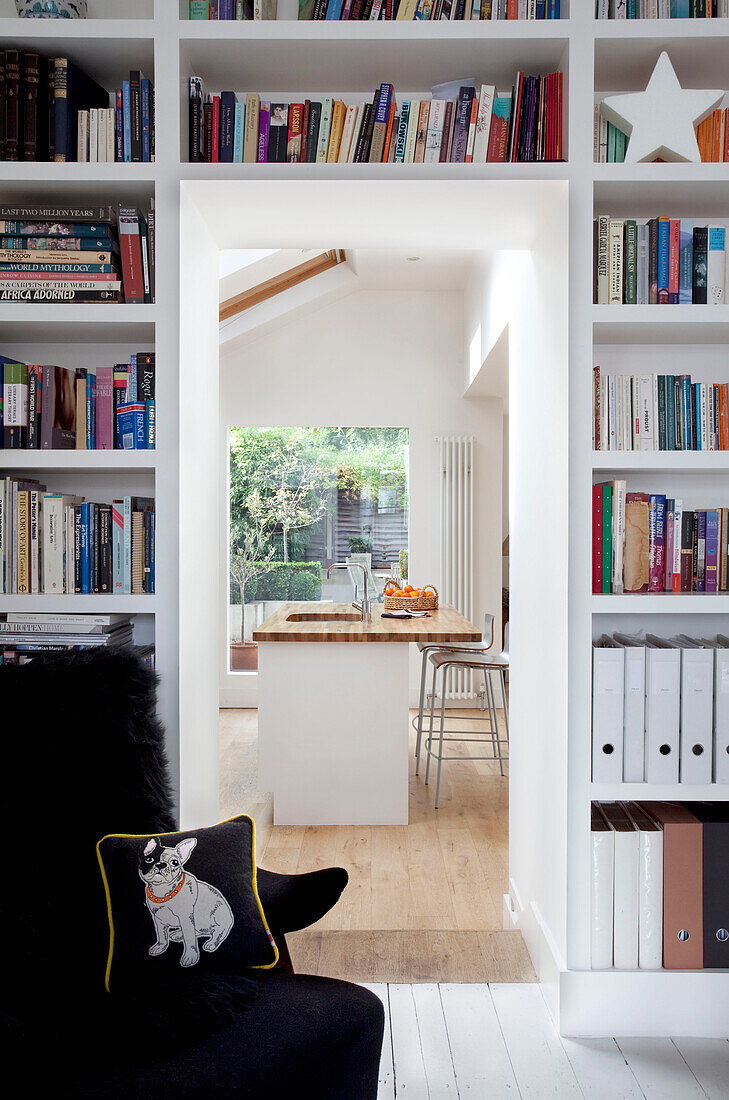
{"type": "Point", "coordinates": [182, 900]}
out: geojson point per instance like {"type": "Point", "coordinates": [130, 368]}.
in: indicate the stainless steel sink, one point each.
{"type": "Point", "coordinates": [323, 617]}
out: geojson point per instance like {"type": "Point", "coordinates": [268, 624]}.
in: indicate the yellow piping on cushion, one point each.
{"type": "Point", "coordinates": [141, 836]}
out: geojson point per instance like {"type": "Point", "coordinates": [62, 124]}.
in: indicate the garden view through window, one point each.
{"type": "Point", "coordinates": [302, 499]}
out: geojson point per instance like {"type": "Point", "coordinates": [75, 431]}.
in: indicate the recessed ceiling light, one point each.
{"type": "Point", "coordinates": [412, 259]}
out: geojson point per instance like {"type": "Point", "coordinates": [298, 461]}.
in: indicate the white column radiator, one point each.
{"type": "Point", "coordinates": [456, 540]}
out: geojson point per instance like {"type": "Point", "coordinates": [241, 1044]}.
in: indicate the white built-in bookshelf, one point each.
{"type": "Point", "coordinates": [597, 58]}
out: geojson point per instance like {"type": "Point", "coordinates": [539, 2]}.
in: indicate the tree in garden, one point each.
{"type": "Point", "coordinates": [252, 550]}
{"type": "Point", "coordinates": [296, 488]}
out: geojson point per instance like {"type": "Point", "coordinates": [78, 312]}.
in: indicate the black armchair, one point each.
{"type": "Point", "coordinates": [83, 757]}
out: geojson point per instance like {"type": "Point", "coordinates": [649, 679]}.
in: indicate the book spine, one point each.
{"type": "Point", "coordinates": [657, 547]}
{"type": "Point", "coordinates": [664, 235]}
{"type": "Point", "coordinates": [127, 117]}
{"type": "Point", "coordinates": [35, 392]}
{"type": "Point", "coordinates": [700, 264]}
{"type": "Point", "coordinates": [131, 254]}
{"type": "Point", "coordinates": [631, 263]}
{"type": "Point", "coordinates": [716, 270]}
{"type": "Point", "coordinates": [686, 262]}
{"type": "Point", "coordinates": [616, 263]}
{"type": "Point", "coordinates": [674, 239]}
{"type": "Point", "coordinates": [29, 108]}
{"type": "Point", "coordinates": [264, 116]}
{"type": "Point", "coordinates": [13, 134]}
{"type": "Point", "coordinates": [135, 92]}
{"type": "Point", "coordinates": [147, 121]}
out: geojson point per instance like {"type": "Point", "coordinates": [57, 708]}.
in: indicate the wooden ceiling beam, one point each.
{"type": "Point", "coordinates": [279, 283]}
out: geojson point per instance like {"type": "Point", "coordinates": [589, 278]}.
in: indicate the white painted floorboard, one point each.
{"type": "Point", "coordinates": [708, 1060]}
{"type": "Point", "coordinates": [498, 1042]}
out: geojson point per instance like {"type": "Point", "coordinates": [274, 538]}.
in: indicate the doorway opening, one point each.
{"type": "Point", "coordinates": [397, 353]}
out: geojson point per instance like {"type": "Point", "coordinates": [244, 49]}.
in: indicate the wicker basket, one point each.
{"type": "Point", "coordinates": [428, 601]}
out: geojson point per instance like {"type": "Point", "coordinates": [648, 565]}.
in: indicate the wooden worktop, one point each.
{"type": "Point", "coordinates": [444, 625]}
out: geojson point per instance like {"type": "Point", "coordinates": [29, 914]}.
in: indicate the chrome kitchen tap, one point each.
{"type": "Point", "coordinates": [364, 606]}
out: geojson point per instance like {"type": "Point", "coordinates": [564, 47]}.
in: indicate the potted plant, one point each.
{"type": "Point", "coordinates": [251, 556]}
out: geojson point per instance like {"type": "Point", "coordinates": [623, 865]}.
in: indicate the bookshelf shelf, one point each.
{"type": "Point", "coordinates": [669, 30]}
{"type": "Point", "coordinates": [101, 461]}
{"type": "Point", "coordinates": [65, 174]}
{"type": "Point", "coordinates": [72, 604]}
{"type": "Point", "coordinates": [502, 172]}
{"type": "Point", "coordinates": [34, 31]}
{"type": "Point", "coordinates": [336, 32]}
{"type": "Point", "coordinates": [668, 603]}
{"type": "Point", "coordinates": [660, 324]}
{"type": "Point", "coordinates": [673, 462]}
{"type": "Point", "coordinates": [663, 792]}
{"type": "Point", "coordinates": [79, 324]}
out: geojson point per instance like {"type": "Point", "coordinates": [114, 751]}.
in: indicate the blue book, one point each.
{"type": "Point", "coordinates": [686, 413]}
{"type": "Point", "coordinates": [711, 572]}
{"type": "Point", "coordinates": [553, 9]}
{"type": "Point", "coordinates": [670, 412]}
{"type": "Point", "coordinates": [541, 9]}
{"type": "Point", "coordinates": [334, 9]}
{"type": "Point", "coordinates": [239, 122]}
{"type": "Point", "coordinates": [119, 127]}
{"type": "Point", "coordinates": [132, 426]}
{"type": "Point", "coordinates": [686, 262]}
{"type": "Point", "coordinates": [127, 118]}
{"type": "Point", "coordinates": [402, 132]}
{"type": "Point", "coordinates": [132, 387]}
{"type": "Point", "coordinates": [664, 231]}
{"type": "Point", "coordinates": [146, 148]}
{"type": "Point", "coordinates": [90, 409]}
{"type": "Point", "coordinates": [697, 405]}
{"type": "Point", "coordinates": [152, 541]}
{"type": "Point", "coordinates": [227, 9]}
{"type": "Point", "coordinates": [680, 9]}
{"type": "Point", "coordinates": [150, 421]}
{"type": "Point", "coordinates": [227, 123]}
{"type": "Point", "coordinates": [85, 555]}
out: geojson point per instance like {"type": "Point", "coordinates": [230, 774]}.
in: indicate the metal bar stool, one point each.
{"type": "Point", "coordinates": [442, 661]}
{"type": "Point", "coordinates": [426, 648]}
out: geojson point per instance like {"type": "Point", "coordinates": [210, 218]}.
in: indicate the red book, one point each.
{"type": "Point", "coordinates": [305, 129]}
{"type": "Point", "coordinates": [293, 145]}
{"type": "Point", "coordinates": [130, 247]}
{"type": "Point", "coordinates": [716, 152]}
{"type": "Point", "coordinates": [472, 129]}
{"type": "Point", "coordinates": [674, 236]}
{"type": "Point", "coordinates": [512, 9]}
{"type": "Point", "coordinates": [216, 129]}
{"type": "Point", "coordinates": [597, 538]}
{"type": "Point", "coordinates": [104, 408]}
{"type": "Point", "coordinates": [498, 139]}
{"type": "Point", "coordinates": [445, 140]}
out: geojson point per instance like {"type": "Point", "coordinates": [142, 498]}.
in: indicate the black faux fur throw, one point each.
{"type": "Point", "coordinates": [84, 756]}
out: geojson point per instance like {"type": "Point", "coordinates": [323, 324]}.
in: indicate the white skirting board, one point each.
{"type": "Point", "coordinates": [644, 1003]}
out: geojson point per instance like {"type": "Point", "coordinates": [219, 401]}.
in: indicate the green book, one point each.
{"type": "Point", "coordinates": [621, 144]}
{"type": "Point", "coordinates": [199, 9]}
{"type": "Point", "coordinates": [607, 537]}
{"type": "Point", "coordinates": [612, 132]}
{"type": "Point", "coordinates": [15, 404]}
{"type": "Point", "coordinates": [662, 414]}
{"type": "Point", "coordinates": [631, 263]}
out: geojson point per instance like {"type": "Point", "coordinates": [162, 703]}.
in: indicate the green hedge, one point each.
{"type": "Point", "coordinates": [282, 581]}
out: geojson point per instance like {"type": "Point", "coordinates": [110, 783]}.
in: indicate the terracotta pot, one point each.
{"type": "Point", "coordinates": [243, 657]}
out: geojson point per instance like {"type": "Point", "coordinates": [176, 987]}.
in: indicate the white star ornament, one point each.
{"type": "Point", "coordinates": [660, 121]}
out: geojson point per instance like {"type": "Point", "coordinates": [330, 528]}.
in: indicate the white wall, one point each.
{"type": "Point", "coordinates": [375, 358]}
{"type": "Point", "coordinates": [199, 520]}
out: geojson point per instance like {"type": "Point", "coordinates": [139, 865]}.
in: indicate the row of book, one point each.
{"type": "Point", "coordinates": [658, 412]}
{"type": "Point", "coordinates": [24, 637]}
{"type": "Point", "coordinates": [660, 709]}
{"type": "Point", "coordinates": [712, 136]}
{"type": "Point", "coordinates": [65, 408]}
{"type": "Point", "coordinates": [658, 896]}
{"type": "Point", "coordinates": [663, 261]}
{"type": "Point", "coordinates": [54, 543]}
{"type": "Point", "coordinates": [77, 253]}
{"type": "Point", "coordinates": [374, 10]}
{"type": "Point", "coordinates": [51, 110]}
{"type": "Point", "coordinates": [459, 123]}
{"type": "Point", "coordinates": [662, 9]}
{"type": "Point", "coordinates": [231, 10]}
{"type": "Point", "coordinates": [648, 542]}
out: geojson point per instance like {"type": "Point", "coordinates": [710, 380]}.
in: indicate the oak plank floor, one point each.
{"type": "Point", "coordinates": [431, 890]}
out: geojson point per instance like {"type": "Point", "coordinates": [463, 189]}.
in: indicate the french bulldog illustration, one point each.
{"type": "Point", "coordinates": [183, 907]}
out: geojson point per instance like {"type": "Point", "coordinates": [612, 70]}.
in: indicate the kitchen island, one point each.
{"type": "Point", "coordinates": [333, 710]}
